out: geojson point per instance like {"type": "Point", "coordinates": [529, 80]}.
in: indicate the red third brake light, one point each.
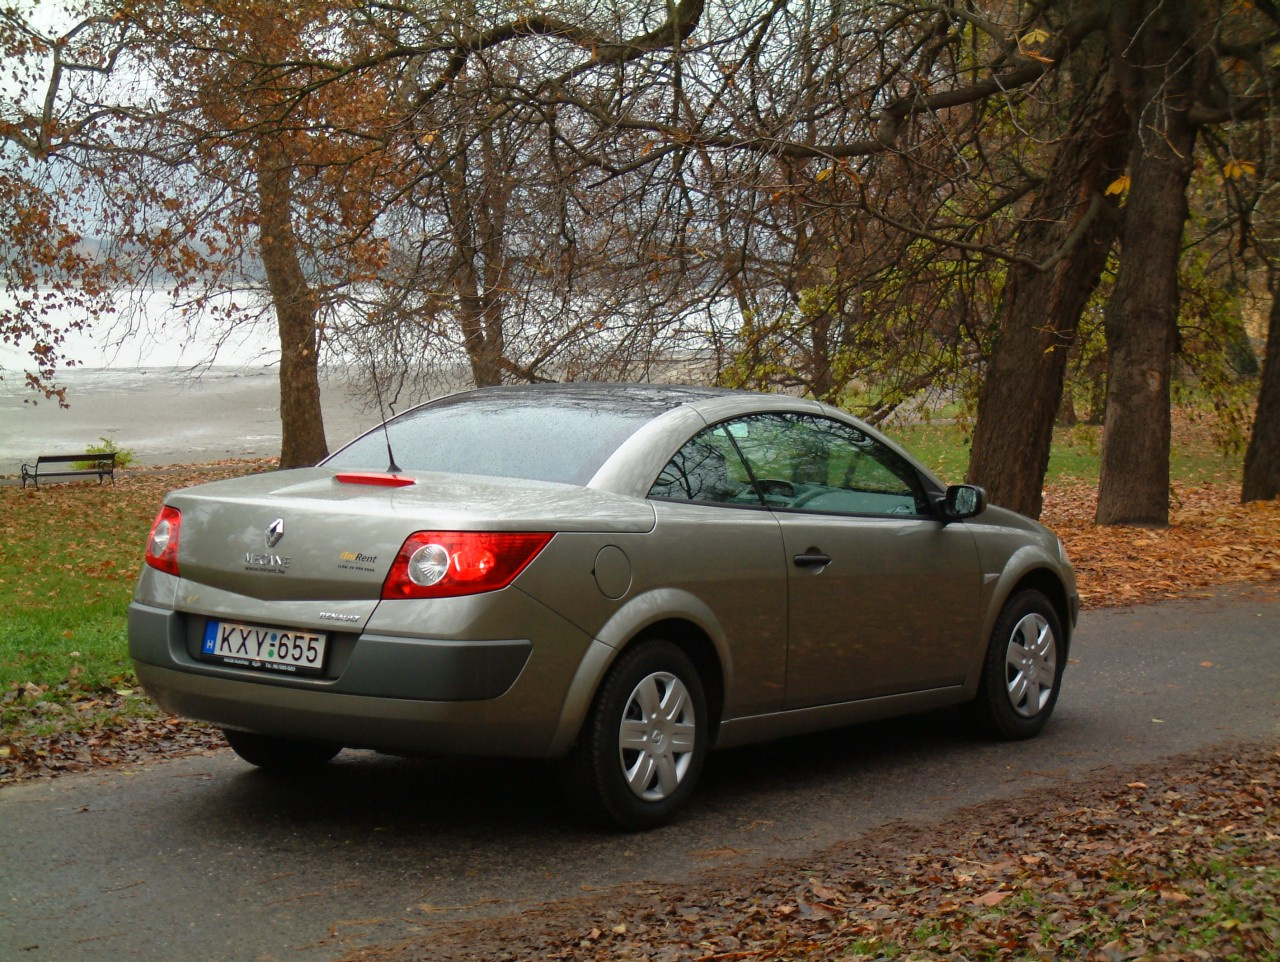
{"type": "Point", "coordinates": [162, 543]}
{"type": "Point", "coordinates": [378, 479]}
{"type": "Point", "coordinates": [443, 564]}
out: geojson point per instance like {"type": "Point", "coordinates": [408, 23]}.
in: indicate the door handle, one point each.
{"type": "Point", "coordinates": [813, 558]}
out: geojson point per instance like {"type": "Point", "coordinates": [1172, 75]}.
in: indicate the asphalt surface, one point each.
{"type": "Point", "coordinates": [204, 858]}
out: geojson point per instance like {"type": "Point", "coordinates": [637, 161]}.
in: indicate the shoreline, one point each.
{"type": "Point", "coordinates": [168, 415]}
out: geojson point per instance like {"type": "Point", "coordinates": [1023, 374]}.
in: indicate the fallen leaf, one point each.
{"type": "Point", "coordinates": [824, 892]}
{"type": "Point", "coordinates": [992, 898]}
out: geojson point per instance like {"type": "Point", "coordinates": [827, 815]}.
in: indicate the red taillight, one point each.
{"type": "Point", "coordinates": [162, 543]}
{"type": "Point", "coordinates": [442, 564]}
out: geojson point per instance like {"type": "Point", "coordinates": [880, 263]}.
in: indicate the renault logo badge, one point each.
{"type": "Point", "coordinates": [275, 531]}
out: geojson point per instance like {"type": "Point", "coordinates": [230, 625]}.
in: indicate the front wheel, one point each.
{"type": "Point", "coordinates": [642, 747]}
{"type": "Point", "coordinates": [279, 754]}
{"type": "Point", "coordinates": [1022, 672]}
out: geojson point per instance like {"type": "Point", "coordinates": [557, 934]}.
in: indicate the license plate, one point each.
{"type": "Point", "coordinates": [266, 649]}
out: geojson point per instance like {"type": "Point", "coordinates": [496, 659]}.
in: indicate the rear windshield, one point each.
{"type": "Point", "coordinates": [539, 434]}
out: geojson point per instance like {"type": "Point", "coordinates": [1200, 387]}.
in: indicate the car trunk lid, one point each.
{"type": "Point", "coordinates": [304, 535]}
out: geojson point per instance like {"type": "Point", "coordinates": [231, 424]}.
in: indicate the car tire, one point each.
{"type": "Point", "coordinates": [279, 754]}
{"type": "Point", "coordinates": [1022, 671]}
{"type": "Point", "coordinates": [641, 749]}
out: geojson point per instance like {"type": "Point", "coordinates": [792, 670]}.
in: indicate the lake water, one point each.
{"type": "Point", "coordinates": [153, 391]}
{"type": "Point", "coordinates": [167, 415]}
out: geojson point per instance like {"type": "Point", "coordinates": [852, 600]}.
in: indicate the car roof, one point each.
{"type": "Point", "coordinates": [660, 397]}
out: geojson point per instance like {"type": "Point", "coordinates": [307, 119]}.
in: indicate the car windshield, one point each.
{"type": "Point", "coordinates": [542, 434]}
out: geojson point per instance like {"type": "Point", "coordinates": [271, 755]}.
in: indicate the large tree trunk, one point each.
{"type": "Point", "coordinates": [481, 277]}
{"type": "Point", "coordinates": [1262, 459]}
{"type": "Point", "coordinates": [1040, 310]}
{"type": "Point", "coordinates": [480, 317]}
{"type": "Point", "coordinates": [301, 421]}
{"type": "Point", "coordinates": [1160, 77]}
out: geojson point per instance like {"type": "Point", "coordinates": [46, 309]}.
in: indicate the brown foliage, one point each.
{"type": "Point", "coordinates": [1127, 865]}
{"type": "Point", "coordinates": [1212, 539]}
{"type": "Point", "coordinates": [114, 735]}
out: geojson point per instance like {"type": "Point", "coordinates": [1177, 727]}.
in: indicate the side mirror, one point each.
{"type": "Point", "coordinates": [964, 501]}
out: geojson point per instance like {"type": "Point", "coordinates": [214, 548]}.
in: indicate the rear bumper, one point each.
{"type": "Point", "coordinates": [411, 695]}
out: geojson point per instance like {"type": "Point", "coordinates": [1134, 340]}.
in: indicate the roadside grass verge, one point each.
{"type": "Point", "coordinates": [69, 557]}
{"type": "Point", "coordinates": [1174, 861]}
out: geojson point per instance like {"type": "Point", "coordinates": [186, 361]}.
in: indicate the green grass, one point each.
{"type": "Point", "coordinates": [69, 558]}
{"type": "Point", "coordinates": [1076, 454]}
{"type": "Point", "coordinates": [941, 447]}
{"type": "Point", "coordinates": [69, 565]}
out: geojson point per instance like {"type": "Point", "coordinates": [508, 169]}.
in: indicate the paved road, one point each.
{"type": "Point", "coordinates": [203, 858]}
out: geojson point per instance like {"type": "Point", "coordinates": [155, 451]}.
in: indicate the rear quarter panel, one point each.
{"type": "Point", "coordinates": [720, 570]}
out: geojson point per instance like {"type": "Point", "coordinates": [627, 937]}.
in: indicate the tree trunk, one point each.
{"type": "Point", "coordinates": [481, 329]}
{"type": "Point", "coordinates": [1159, 76]}
{"type": "Point", "coordinates": [1262, 459]}
{"type": "Point", "coordinates": [481, 276]}
{"type": "Point", "coordinates": [301, 420]}
{"type": "Point", "coordinates": [1096, 372]}
{"type": "Point", "coordinates": [1040, 310]}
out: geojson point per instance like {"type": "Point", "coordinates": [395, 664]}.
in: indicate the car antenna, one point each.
{"type": "Point", "coordinates": [392, 467]}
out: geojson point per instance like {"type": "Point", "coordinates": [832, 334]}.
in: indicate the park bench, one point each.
{"type": "Point", "coordinates": [76, 466]}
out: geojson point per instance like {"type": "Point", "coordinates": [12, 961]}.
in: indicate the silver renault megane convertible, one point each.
{"type": "Point", "coordinates": [619, 576]}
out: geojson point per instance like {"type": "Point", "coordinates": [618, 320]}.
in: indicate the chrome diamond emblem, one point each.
{"type": "Point", "coordinates": [275, 531]}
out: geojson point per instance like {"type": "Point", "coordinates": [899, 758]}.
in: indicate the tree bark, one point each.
{"type": "Point", "coordinates": [301, 420]}
{"type": "Point", "coordinates": [1040, 310]}
{"type": "Point", "coordinates": [1262, 458]}
{"type": "Point", "coordinates": [481, 277]}
{"type": "Point", "coordinates": [1157, 66]}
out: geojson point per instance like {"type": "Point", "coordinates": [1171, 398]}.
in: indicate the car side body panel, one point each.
{"type": "Point", "coordinates": [894, 611]}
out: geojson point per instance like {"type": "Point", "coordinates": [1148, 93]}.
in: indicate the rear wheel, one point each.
{"type": "Point", "coordinates": [1023, 668]}
{"type": "Point", "coordinates": [642, 748]}
{"type": "Point", "coordinates": [279, 754]}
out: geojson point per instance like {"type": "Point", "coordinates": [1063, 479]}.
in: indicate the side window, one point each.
{"type": "Point", "coordinates": [809, 463]}
{"type": "Point", "coordinates": [706, 469]}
